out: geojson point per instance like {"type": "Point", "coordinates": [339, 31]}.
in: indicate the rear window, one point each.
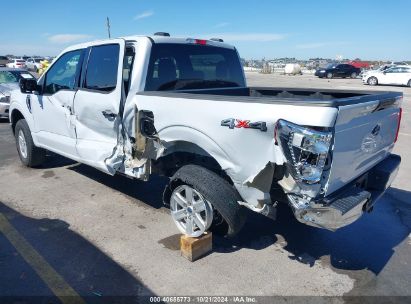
{"type": "Point", "coordinates": [184, 66]}
{"type": "Point", "coordinates": [20, 60]}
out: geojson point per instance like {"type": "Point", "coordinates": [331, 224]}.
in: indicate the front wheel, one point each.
{"type": "Point", "coordinates": [201, 200]}
{"type": "Point", "coordinates": [409, 83]}
{"type": "Point", "coordinates": [30, 155]}
{"type": "Point", "coordinates": [372, 81]}
{"type": "Point", "coordinates": [330, 75]}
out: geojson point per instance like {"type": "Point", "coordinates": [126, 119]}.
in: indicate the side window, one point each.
{"type": "Point", "coordinates": [62, 75]}
{"type": "Point", "coordinates": [7, 77]}
{"type": "Point", "coordinates": [102, 68]}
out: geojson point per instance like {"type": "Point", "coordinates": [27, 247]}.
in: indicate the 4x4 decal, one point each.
{"type": "Point", "coordinates": [246, 124]}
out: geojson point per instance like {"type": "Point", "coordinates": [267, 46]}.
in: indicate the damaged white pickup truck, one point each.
{"type": "Point", "coordinates": [180, 107]}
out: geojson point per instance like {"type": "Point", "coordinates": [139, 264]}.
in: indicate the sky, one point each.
{"type": "Point", "coordinates": [366, 29]}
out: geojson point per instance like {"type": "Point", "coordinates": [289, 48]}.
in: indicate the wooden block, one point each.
{"type": "Point", "coordinates": [195, 248]}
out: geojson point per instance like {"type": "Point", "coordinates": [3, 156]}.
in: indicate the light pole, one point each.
{"type": "Point", "coordinates": [108, 28]}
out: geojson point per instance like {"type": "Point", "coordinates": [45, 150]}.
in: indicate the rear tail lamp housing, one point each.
{"type": "Point", "coordinates": [305, 149]}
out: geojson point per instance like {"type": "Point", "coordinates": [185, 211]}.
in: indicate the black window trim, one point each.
{"type": "Point", "coordinates": [85, 67]}
{"type": "Point", "coordinates": [77, 75]}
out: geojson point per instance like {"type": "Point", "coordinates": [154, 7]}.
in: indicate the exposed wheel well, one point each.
{"type": "Point", "coordinates": [185, 153]}
{"type": "Point", "coordinates": [14, 118]}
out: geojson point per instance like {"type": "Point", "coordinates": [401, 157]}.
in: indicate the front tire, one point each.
{"type": "Point", "coordinates": [200, 200]}
{"type": "Point", "coordinates": [372, 81]}
{"type": "Point", "coordinates": [30, 155]}
{"type": "Point", "coordinates": [409, 83]}
{"type": "Point", "coordinates": [330, 75]}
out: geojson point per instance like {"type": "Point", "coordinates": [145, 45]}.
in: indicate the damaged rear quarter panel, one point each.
{"type": "Point", "coordinates": [245, 154]}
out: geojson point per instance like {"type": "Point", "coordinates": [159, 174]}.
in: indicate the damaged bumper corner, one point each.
{"type": "Point", "coordinates": [342, 212]}
{"type": "Point", "coordinates": [349, 203]}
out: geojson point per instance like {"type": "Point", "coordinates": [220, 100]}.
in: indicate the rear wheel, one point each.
{"type": "Point", "coordinates": [353, 75]}
{"type": "Point", "coordinates": [372, 81]}
{"type": "Point", "coordinates": [29, 154]}
{"type": "Point", "coordinates": [330, 75]}
{"type": "Point", "coordinates": [201, 200]}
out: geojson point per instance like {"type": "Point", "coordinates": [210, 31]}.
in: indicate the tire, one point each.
{"type": "Point", "coordinates": [372, 81]}
{"type": "Point", "coordinates": [353, 75]}
{"type": "Point", "coordinates": [330, 75]}
{"type": "Point", "coordinates": [228, 216]}
{"type": "Point", "coordinates": [30, 156]}
{"type": "Point", "coordinates": [409, 83]}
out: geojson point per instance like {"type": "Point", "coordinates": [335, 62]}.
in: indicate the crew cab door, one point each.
{"type": "Point", "coordinates": [97, 103]}
{"type": "Point", "coordinates": [52, 108]}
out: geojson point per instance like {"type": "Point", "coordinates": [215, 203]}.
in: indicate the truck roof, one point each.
{"type": "Point", "coordinates": [155, 39]}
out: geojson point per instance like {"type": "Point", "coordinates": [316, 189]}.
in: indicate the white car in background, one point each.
{"type": "Point", "coordinates": [34, 64]}
{"type": "Point", "coordinates": [17, 64]}
{"type": "Point", "coordinates": [396, 75]}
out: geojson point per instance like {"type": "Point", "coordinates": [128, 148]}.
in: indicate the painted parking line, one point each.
{"type": "Point", "coordinates": [53, 280]}
{"type": "Point", "coordinates": [406, 134]}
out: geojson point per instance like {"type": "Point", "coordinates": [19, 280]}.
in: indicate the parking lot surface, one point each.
{"type": "Point", "coordinates": [68, 228]}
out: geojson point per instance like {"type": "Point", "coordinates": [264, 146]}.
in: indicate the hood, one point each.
{"type": "Point", "coordinates": [6, 88]}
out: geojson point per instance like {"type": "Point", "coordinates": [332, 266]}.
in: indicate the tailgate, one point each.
{"type": "Point", "coordinates": [364, 135]}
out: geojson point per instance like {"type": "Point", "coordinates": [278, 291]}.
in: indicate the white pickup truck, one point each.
{"type": "Point", "coordinates": [180, 107]}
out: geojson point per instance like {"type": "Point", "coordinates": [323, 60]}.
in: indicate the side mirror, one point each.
{"type": "Point", "coordinates": [29, 86]}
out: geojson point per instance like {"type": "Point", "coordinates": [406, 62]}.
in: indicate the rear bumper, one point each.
{"type": "Point", "coordinates": [348, 204]}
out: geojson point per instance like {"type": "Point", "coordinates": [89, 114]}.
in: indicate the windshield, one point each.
{"type": "Point", "coordinates": [13, 76]}
{"type": "Point", "coordinates": [331, 65]}
{"type": "Point", "coordinates": [184, 66]}
{"type": "Point", "coordinates": [37, 60]}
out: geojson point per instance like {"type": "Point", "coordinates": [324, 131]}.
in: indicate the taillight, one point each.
{"type": "Point", "coordinates": [197, 41]}
{"type": "Point", "coordinates": [306, 150]}
{"type": "Point", "coordinates": [398, 126]}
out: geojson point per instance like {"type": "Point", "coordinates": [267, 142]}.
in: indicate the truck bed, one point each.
{"type": "Point", "coordinates": [295, 96]}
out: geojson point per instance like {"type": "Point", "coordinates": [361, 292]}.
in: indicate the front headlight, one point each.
{"type": "Point", "coordinates": [5, 99]}
{"type": "Point", "coordinates": [306, 150]}
{"type": "Point", "coordinates": [322, 71]}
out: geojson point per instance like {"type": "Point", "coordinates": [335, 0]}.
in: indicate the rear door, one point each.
{"type": "Point", "coordinates": [97, 103]}
{"type": "Point", "coordinates": [391, 76]}
{"type": "Point", "coordinates": [364, 135]}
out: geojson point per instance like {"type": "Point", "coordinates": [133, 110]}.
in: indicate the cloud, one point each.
{"type": "Point", "coordinates": [67, 38]}
{"type": "Point", "coordinates": [317, 45]}
{"type": "Point", "coordinates": [249, 37]}
{"type": "Point", "coordinates": [143, 15]}
{"type": "Point", "coordinates": [222, 24]}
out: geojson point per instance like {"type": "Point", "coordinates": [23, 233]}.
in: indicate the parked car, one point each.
{"type": "Point", "coordinates": [338, 70]}
{"type": "Point", "coordinates": [3, 61]}
{"type": "Point", "coordinates": [34, 64]}
{"type": "Point", "coordinates": [17, 63]}
{"type": "Point", "coordinates": [181, 108]}
{"type": "Point", "coordinates": [9, 80]}
{"type": "Point", "coordinates": [397, 75]}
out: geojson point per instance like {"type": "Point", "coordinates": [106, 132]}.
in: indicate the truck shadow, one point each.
{"type": "Point", "coordinates": [366, 244]}
{"type": "Point", "coordinates": [84, 267]}
{"type": "Point", "coordinates": [150, 193]}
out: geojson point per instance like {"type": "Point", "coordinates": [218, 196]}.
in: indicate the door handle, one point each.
{"type": "Point", "coordinates": [109, 115]}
